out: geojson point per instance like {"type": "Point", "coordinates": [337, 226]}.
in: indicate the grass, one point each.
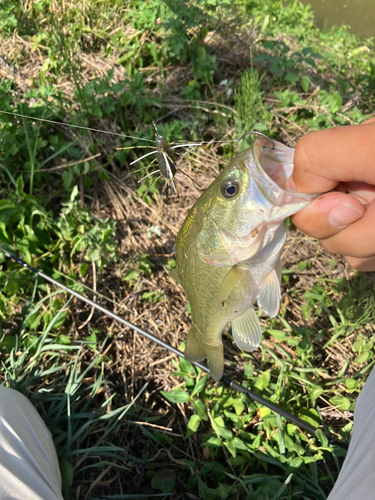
{"type": "Point", "coordinates": [129, 420]}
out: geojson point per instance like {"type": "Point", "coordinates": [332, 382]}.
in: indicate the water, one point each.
{"type": "Point", "coordinates": [359, 14]}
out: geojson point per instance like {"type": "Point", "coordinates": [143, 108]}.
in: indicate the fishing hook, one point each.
{"type": "Point", "coordinates": [226, 380]}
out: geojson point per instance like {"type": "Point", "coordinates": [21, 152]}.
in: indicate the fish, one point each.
{"type": "Point", "coordinates": [228, 250]}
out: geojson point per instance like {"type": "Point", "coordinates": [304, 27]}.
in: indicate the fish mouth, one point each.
{"type": "Point", "coordinates": [270, 165]}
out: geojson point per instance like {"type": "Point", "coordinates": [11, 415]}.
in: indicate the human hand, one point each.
{"type": "Point", "coordinates": [340, 160]}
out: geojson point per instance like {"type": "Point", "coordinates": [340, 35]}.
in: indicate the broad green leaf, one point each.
{"type": "Point", "coordinates": [249, 370]}
{"type": "Point", "coordinates": [83, 269]}
{"type": "Point", "coordinates": [11, 286]}
{"type": "Point", "coordinates": [103, 176]}
{"type": "Point", "coordinates": [232, 416]}
{"type": "Point", "coordinates": [176, 396]}
{"type": "Point", "coordinates": [316, 392]}
{"type": "Point", "coordinates": [341, 402]}
{"type": "Point", "coordinates": [291, 77]}
{"type": "Point", "coordinates": [200, 409]}
{"type": "Point", "coordinates": [238, 406]}
{"type": "Point", "coordinates": [278, 334]}
{"type": "Point", "coordinates": [213, 442]}
{"type": "Point", "coordinates": [64, 340]}
{"type": "Point", "coordinates": [231, 448]}
{"type": "Point", "coordinates": [263, 380]}
{"type": "Point", "coordinates": [311, 416]}
{"type": "Point", "coordinates": [20, 187]}
{"type": "Point", "coordinates": [67, 178]}
{"type": "Point", "coordinates": [239, 444]}
{"type": "Point", "coordinates": [352, 384]}
{"type": "Point", "coordinates": [193, 425]}
{"type": "Point", "coordinates": [91, 340]}
{"type": "Point", "coordinates": [200, 385]}
{"type": "Point", "coordinates": [185, 365]}
{"type": "Point", "coordinates": [223, 432]}
{"type": "Point", "coordinates": [130, 275]}
{"type": "Point", "coordinates": [335, 102]}
{"type": "Point", "coordinates": [8, 343]}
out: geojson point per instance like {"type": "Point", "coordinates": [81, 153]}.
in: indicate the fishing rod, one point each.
{"type": "Point", "coordinates": [226, 380]}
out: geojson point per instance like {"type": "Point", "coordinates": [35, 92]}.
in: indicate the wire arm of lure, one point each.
{"type": "Point", "coordinates": [254, 132]}
{"type": "Point", "coordinates": [187, 144]}
{"type": "Point", "coordinates": [154, 152]}
{"type": "Point", "coordinates": [226, 380]}
{"type": "Point", "coordinates": [144, 156]}
{"type": "Point", "coordinates": [171, 147]}
{"type": "Point", "coordinates": [149, 175]}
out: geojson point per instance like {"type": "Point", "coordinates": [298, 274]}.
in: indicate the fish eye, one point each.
{"type": "Point", "coordinates": [229, 189]}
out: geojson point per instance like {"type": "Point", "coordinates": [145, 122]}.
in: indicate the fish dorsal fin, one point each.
{"type": "Point", "coordinates": [229, 282]}
{"type": "Point", "coordinates": [270, 295]}
{"type": "Point", "coordinates": [174, 274]}
{"type": "Point", "coordinates": [246, 331]}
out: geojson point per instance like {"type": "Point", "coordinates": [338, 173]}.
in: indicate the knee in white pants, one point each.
{"type": "Point", "coordinates": [28, 461]}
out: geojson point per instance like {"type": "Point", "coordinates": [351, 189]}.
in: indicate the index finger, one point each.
{"type": "Point", "coordinates": [341, 154]}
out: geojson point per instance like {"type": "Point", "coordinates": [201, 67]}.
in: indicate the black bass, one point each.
{"type": "Point", "coordinates": [229, 247]}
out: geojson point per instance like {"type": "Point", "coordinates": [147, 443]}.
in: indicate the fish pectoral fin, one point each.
{"type": "Point", "coordinates": [270, 295]}
{"type": "Point", "coordinates": [246, 331]}
{"type": "Point", "coordinates": [174, 274]}
{"type": "Point", "coordinates": [229, 282]}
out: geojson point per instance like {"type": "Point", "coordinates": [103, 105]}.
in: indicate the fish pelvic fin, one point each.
{"type": "Point", "coordinates": [246, 331]}
{"type": "Point", "coordinates": [229, 282]}
{"type": "Point", "coordinates": [270, 295]}
{"type": "Point", "coordinates": [197, 350]}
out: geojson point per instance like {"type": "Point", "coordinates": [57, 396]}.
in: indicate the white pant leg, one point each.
{"type": "Point", "coordinates": [29, 468]}
{"type": "Point", "coordinates": [356, 480]}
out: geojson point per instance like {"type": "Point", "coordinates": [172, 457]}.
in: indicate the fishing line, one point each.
{"type": "Point", "coordinates": [74, 126]}
{"type": "Point", "coordinates": [107, 132]}
{"type": "Point", "coordinates": [226, 380]}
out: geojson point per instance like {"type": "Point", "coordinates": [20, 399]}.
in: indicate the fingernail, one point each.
{"type": "Point", "coordinates": [342, 215]}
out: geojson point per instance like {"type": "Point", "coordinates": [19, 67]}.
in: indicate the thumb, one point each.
{"type": "Point", "coordinates": [342, 154]}
{"type": "Point", "coordinates": [329, 214]}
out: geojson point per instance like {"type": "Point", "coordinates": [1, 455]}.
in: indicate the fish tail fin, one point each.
{"type": "Point", "coordinates": [195, 346]}
{"type": "Point", "coordinates": [215, 358]}
{"type": "Point", "coordinates": [197, 350]}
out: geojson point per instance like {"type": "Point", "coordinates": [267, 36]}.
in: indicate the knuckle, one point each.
{"type": "Point", "coordinates": [303, 151]}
